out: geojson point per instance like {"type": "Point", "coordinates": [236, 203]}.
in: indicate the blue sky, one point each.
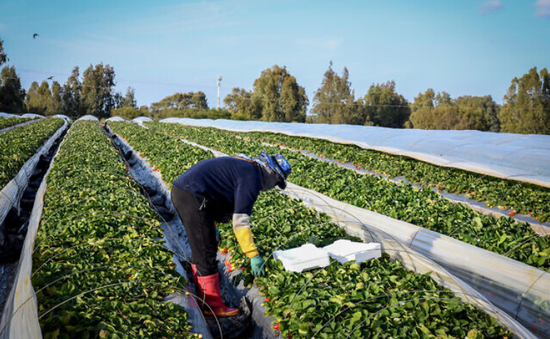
{"type": "Point", "coordinates": [159, 48]}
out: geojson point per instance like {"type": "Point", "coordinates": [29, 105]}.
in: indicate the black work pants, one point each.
{"type": "Point", "coordinates": [200, 228]}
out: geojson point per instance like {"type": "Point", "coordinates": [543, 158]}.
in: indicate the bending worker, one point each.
{"type": "Point", "coordinates": [218, 190]}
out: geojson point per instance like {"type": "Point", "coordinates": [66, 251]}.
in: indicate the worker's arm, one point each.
{"type": "Point", "coordinates": [246, 193]}
{"type": "Point", "coordinates": [241, 227]}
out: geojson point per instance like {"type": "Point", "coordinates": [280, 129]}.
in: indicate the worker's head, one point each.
{"type": "Point", "coordinates": [276, 171]}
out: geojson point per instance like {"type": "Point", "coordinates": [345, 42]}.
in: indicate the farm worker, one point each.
{"type": "Point", "coordinates": [218, 190]}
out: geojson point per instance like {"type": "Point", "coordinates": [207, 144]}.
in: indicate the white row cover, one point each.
{"type": "Point", "coordinates": [504, 155]}
{"type": "Point", "coordinates": [142, 119]}
{"type": "Point", "coordinates": [32, 115]}
{"type": "Point", "coordinates": [115, 119]}
{"type": "Point", "coordinates": [64, 117]}
{"type": "Point", "coordinates": [8, 115]}
{"type": "Point", "coordinates": [88, 117]}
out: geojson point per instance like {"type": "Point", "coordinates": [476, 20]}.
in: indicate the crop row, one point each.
{"type": "Point", "coordinates": [8, 122]}
{"type": "Point", "coordinates": [521, 197]}
{"type": "Point", "coordinates": [20, 144]}
{"type": "Point", "coordinates": [421, 207]}
{"type": "Point", "coordinates": [378, 299]}
{"type": "Point", "coordinates": [100, 268]}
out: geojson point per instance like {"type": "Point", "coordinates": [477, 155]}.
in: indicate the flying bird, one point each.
{"type": "Point", "coordinates": [50, 77]}
{"type": "Point", "coordinates": [34, 35]}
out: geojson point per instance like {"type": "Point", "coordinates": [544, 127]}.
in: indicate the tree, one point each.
{"type": "Point", "coordinates": [334, 101]}
{"type": "Point", "coordinates": [180, 101]}
{"type": "Point", "coordinates": [199, 100]}
{"type": "Point", "coordinates": [98, 96]}
{"type": "Point", "coordinates": [129, 100]}
{"type": "Point", "coordinates": [431, 111]}
{"type": "Point", "coordinates": [443, 98]}
{"type": "Point", "coordinates": [385, 107]}
{"type": "Point", "coordinates": [241, 103]}
{"type": "Point", "coordinates": [477, 113]}
{"type": "Point", "coordinates": [55, 105]}
{"type": "Point", "coordinates": [72, 95]}
{"type": "Point", "coordinates": [12, 96]}
{"type": "Point", "coordinates": [38, 97]}
{"type": "Point", "coordinates": [279, 96]}
{"type": "Point", "coordinates": [3, 56]}
{"type": "Point", "coordinates": [426, 99]}
{"type": "Point", "coordinates": [32, 99]}
{"type": "Point", "coordinates": [526, 106]}
{"type": "Point", "coordinates": [127, 112]}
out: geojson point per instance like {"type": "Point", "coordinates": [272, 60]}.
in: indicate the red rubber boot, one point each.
{"type": "Point", "coordinates": [209, 288]}
{"type": "Point", "coordinates": [198, 291]}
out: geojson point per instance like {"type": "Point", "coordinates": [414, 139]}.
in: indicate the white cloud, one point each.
{"type": "Point", "coordinates": [543, 8]}
{"type": "Point", "coordinates": [490, 6]}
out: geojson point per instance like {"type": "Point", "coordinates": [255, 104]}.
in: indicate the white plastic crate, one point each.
{"type": "Point", "coordinates": [345, 250]}
{"type": "Point", "coordinates": [303, 258]}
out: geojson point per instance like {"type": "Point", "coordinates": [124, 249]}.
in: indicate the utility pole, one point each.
{"type": "Point", "coordinates": [219, 84]}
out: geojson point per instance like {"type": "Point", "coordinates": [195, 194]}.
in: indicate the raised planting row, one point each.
{"type": "Point", "coordinates": [523, 198]}
{"type": "Point", "coordinates": [100, 268]}
{"type": "Point", "coordinates": [20, 144]}
{"type": "Point", "coordinates": [8, 122]}
{"type": "Point", "coordinates": [160, 150]}
{"type": "Point", "coordinates": [378, 299]}
{"type": "Point", "coordinates": [421, 207]}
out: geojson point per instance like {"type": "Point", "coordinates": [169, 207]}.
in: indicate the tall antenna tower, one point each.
{"type": "Point", "coordinates": [220, 78]}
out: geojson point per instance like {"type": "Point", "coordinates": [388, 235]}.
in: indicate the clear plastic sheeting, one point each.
{"type": "Point", "coordinates": [88, 117]}
{"type": "Point", "coordinates": [520, 296]}
{"type": "Point", "coordinates": [115, 119]}
{"type": "Point", "coordinates": [20, 316]}
{"type": "Point", "coordinates": [64, 117]}
{"type": "Point", "coordinates": [8, 115]}
{"type": "Point", "coordinates": [504, 155]}
{"type": "Point", "coordinates": [142, 119]}
{"type": "Point", "coordinates": [32, 116]}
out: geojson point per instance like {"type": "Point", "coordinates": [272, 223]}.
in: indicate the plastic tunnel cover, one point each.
{"type": "Point", "coordinates": [504, 155]}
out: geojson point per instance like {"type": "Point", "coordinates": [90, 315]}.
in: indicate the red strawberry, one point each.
{"type": "Point", "coordinates": [512, 214]}
{"type": "Point", "coordinates": [276, 326]}
{"type": "Point", "coordinates": [266, 300]}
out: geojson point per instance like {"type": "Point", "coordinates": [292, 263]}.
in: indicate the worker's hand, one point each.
{"type": "Point", "coordinates": [218, 237]}
{"type": "Point", "coordinates": [257, 265]}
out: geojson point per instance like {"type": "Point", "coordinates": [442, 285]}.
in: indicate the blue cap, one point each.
{"type": "Point", "coordinates": [280, 165]}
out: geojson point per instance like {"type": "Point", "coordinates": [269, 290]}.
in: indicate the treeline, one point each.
{"type": "Point", "coordinates": [277, 96]}
{"type": "Point", "coordinates": [526, 107]}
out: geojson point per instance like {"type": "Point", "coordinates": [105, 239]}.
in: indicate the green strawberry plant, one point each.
{"type": "Point", "coordinates": [8, 122]}
{"type": "Point", "coordinates": [100, 267]}
{"type": "Point", "coordinates": [421, 207]}
{"type": "Point", "coordinates": [20, 144]}
{"type": "Point", "coordinates": [381, 298]}
{"type": "Point", "coordinates": [524, 198]}
{"type": "Point", "coordinates": [160, 150]}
